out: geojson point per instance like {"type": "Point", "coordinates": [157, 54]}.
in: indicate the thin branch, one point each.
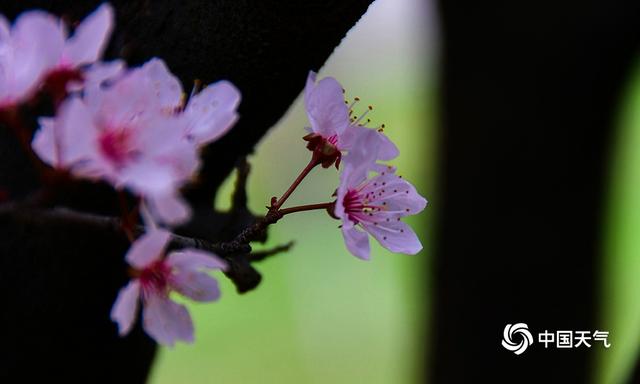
{"type": "Point", "coordinates": [115, 224]}
{"type": "Point", "coordinates": [310, 207]}
{"type": "Point", "coordinates": [315, 161]}
{"type": "Point", "coordinates": [265, 253]}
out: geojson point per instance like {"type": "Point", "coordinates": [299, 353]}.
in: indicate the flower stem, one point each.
{"type": "Point", "coordinates": [315, 160]}
{"type": "Point", "coordinates": [309, 207]}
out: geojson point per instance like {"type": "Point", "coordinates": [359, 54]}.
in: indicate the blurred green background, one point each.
{"type": "Point", "coordinates": [321, 315]}
{"type": "Point", "coordinates": [619, 303]}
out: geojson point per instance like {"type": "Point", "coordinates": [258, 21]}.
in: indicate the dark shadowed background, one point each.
{"type": "Point", "coordinates": [519, 121]}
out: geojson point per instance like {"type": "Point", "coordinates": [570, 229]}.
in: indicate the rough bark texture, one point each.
{"type": "Point", "coordinates": [529, 95]}
{"type": "Point", "coordinates": [60, 282]}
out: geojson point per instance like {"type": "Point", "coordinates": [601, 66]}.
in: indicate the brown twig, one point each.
{"type": "Point", "coordinates": [265, 253]}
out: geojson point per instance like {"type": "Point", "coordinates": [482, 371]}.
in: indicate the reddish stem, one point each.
{"type": "Point", "coordinates": [309, 207]}
{"type": "Point", "coordinates": [315, 161]}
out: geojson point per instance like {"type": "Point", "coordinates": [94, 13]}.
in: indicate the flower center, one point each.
{"type": "Point", "coordinates": [155, 278]}
{"type": "Point", "coordinates": [116, 146]}
{"type": "Point", "coordinates": [353, 205]}
{"type": "Point", "coordinates": [361, 208]}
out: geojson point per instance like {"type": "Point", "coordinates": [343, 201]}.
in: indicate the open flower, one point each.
{"type": "Point", "coordinates": [209, 113]}
{"type": "Point", "coordinates": [37, 47]}
{"type": "Point", "coordinates": [67, 54]}
{"type": "Point", "coordinates": [334, 129]}
{"type": "Point", "coordinates": [123, 134]}
{"type": "Point", "coordinates": [156, 276]}
{"type": "Point", "coordinates": [87, 43]}
{"type": "Point", "coordinates": [25, 55]}
{"type": "Point", "coordinates": [375, 205]}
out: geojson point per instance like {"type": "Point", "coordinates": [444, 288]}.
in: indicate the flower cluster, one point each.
{"type": "Point", "coordinates": [374, 204]}
{"type": "Point", "coordinates": [135, 129]}
{"type": "Point", "coordinates": [131, 128]}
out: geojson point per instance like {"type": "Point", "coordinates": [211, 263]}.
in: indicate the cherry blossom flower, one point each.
{"type": "Point", "coordinates": [156, 276]}
{"type": "Point", "coordinates": [375, 205]}
{"type": "Point", "coordinates": [334, 129]}
{"type": "Point", "coordinates": [24, 55]}
{"type": "Point", "coordinates": [87, 43]}
{"type": "Point", "coordinates": [122, 133]}
{"type": "Point", "coordinates": [37, 47]}
{"type": "Point", "coordinates": [209, 113]}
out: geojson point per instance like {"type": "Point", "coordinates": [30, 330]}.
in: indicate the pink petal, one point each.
{"type": "Point", "coordinates": [340, 194]}
{"type": "Point", "coordinates": [90, 37]}
{"type": "Point", "coordinates": [43, 142]}
{"type": "Point", "coordinates": [212, 112]}
{"type": "Point", "coordinates": [357, 242]}
{"type": "Point", "coordinates": [196, 285]}
{"type": "Point", "coordinates": [353, 173]}
{"type": "Point", "coordinates": [168, 89]}
{"type": "Point", "coordinates": [308, 88]}
{"type": "Point", "coordinates": [396, 236]}
{"type": "Point", "coordinates": [37, 43]}
{"type": "Point", "coordinates": [193, 259]}
{"type": "Point", "coordinates": [148, 248]}
{"type": "Point", "coordinates": [166, 321]}
{"type": "Point", "coordinates": [399, 196]}
{"type": "Point", "coordinates": [326, 109]}
{"type": "Point", "coordinates": [387, 150]}
{"type": "Point", "coordinates": [167, 160]}
{"type": "Point", "coordinates": [5, 31]}
{"type": "Point", "coordinates": [78, 132]}
{"type": "Point", "coordinates": [125, 307]}
{"type": "Point", "coordinates": [168, 208]}
{"type": "Point", "coordinates": [131, 100]}
{"type": "Point", "coordinates": [147, 177]}
{"type": "Point", "coordinates": [67, 140]}
{"type": "Point", "coordinates": [365, 146]}
{"type": "Point", "coordinates": [97, 75]}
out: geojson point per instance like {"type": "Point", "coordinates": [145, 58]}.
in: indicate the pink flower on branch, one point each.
{"type": "Point", "coordinates": [123, 134]}
{"type": "Point", "coordinates": [334, 129]}
{"type": "Point", "coordinates": [37, 48]}
{"type": "Point", "coordinates": [375, 205]}
{"type": "Point", "coordinates": [130, 129]}
{"type": "Point", "coordinates": [156, 276]}
{"type": "Point", "coordinates": [209, 113]}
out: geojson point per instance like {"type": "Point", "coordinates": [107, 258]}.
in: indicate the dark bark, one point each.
{"type": "Point", "coordinates": [60, 281]}
{"type": "Point", "coordinates": [529, 95]}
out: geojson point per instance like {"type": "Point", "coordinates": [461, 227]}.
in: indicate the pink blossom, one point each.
{"type": "Point", "coordinates": [212, 112]}
{"type": "Point", "coordinates": [375, 205]}
{"type": "Point", "coordinates": [130, 129]}
{"type": "Point", "coordinates": [25, 55]}
{"type": "Point", "coordinates": [334, 129]}
{"type": "Point", "coordinates": [156, 277]}
{"type": "Point", "coordinates": [124, 134]}
{"type": "Point", "coordinates": [89, 39]}
{"type": "Point", "coordinates": [209, 114]}
{"type": "Point", "coordinates": [37, 46]}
